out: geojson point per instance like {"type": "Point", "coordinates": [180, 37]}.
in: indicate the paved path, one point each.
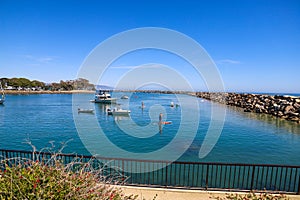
{"type": "Point", "coordinates": [146, 193]}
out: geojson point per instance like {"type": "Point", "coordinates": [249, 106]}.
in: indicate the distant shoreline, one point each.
{"type": "Point", "coordinates": [295, 95]}
{"type": "Point", "coordinates": [49, 92]}
{"type": "Point", "coordinates": [91, 92]}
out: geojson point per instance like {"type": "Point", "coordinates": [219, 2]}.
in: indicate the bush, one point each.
{"type": "Point", "coordinates": [27, 179]}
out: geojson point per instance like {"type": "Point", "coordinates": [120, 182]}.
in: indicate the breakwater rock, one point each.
{"type": "Point", "coordinates": [286, 107]}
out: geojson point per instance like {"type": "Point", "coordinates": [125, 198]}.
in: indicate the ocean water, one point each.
{"type": "Point", "coordinates": [50, 121]}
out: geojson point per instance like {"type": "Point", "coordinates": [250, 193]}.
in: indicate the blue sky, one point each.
{"type": "Point", "coordinates": [255, 44]}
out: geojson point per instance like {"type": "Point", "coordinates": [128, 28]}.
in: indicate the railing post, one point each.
{"type": "Point", "coordinates": [123, 173]}
{"type": "Point", "coordinates": [252, 179]}
{"type": "Point", "coordinates": [299, 184]}
{"type": "Point", "coordinates": [6, 155]}
{"type": "Point", "coordinates": [206, 181]}
{"type": "Point", "coordinates": [166, 174]}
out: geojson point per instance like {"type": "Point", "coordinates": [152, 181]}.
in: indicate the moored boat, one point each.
{"type": "Point", "coordinates": [80, 110]}
{"type": "Point", "coordinates": [117, 111]}
{"type": "Point", "coordinates": [124, 97]}
{"type": "Point", "coordinates": [103, 96]}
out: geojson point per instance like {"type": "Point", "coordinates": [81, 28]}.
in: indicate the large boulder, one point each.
{"type": "Point", "coordinates": [296, 105]}
{"type": "Point", "coordinates": [288, 109]}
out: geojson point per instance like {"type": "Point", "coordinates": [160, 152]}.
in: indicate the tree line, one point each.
{"type": "Point", "coordinates": [26, 84]}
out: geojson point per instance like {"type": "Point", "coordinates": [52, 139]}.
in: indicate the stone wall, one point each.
{"type": "Point", "coordinates": [286, 107]}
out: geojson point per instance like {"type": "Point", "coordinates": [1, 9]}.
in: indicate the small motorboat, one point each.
{"type": "Point", "coordinates": [124, 97]}
{"type": "Point", "coordinates": [117, 111]}
{"type": "Point", "coordinates": [109, 111]}
{"type": "Point", "coordinates": [80, 110]}
{"type": "Point", "coordinates": [172, 105]}
{"type": "Point", "coordinates": [166, 122]}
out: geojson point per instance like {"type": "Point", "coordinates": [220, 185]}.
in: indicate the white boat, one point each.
{"type": "Point", "coordinates": [2, 99]}
{"type": "Point", "coordinates": [103, 96]}
{"type": "Point", "coordinates": [118, 111]}
{"type": "Point", "coordinates": [80, 110]}
{"type": "Point", "coordinates": [124, 97]}
{"type": "Point", "coordinates": [174, 105]}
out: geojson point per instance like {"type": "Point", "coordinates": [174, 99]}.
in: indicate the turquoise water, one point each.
{"type": "Point", "coordinates": [47, 120]}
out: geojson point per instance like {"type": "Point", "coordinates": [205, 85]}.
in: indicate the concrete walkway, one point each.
{"type": "Point", "coordinates": [147, 193]}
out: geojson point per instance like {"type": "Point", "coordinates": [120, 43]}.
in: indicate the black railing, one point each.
{"type": "Point", "coordinates": [189, 175]}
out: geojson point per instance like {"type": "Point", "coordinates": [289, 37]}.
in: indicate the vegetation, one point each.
{"type": "Point", "coordinates": [26, 84]}
{"type": "Point", "coordinates": [50, 178]}
{"type": "Point", "coordinates": [28, 179]}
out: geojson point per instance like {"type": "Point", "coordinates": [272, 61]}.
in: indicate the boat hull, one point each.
{"type": "Point", "coordinates": [85, 111]}
{"type": "Point", "coordinates": [124, 97]}
{"type": "Point", "coordinates": [120, 112]}
{"type": "Point", "coordinates": [117, 112]}
{"type": "Point", "coordinates": [106, 101]}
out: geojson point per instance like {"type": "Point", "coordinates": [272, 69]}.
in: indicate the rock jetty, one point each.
{"type": "Point", "coordinates": [285, 107]}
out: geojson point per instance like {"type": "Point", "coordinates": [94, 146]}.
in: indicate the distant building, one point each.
{"type": "Point", "coordinates": [10, 88]}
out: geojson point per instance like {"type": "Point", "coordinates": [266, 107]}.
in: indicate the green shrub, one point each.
{"type": "Point", "coordinates": [26, 179]}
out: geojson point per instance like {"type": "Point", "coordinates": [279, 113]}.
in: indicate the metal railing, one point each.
{"type": "Point", "coordinates": [188, 175]}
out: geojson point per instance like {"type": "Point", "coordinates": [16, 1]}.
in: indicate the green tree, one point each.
{"type": "Point", "coordinates": [68, 85]}
{"type": "Point", "coordinates": [55, 86]}
{"type": "Point", "coordinates": [37, 84]}
{"type": "Point", "coordinates": [4, 81]}
{"type": "Point", "coordinates": [14, 82]}
{"type": "Point", "coordinates": [19, 82]}
{"type": "Point", "coordinates": [82, 84]}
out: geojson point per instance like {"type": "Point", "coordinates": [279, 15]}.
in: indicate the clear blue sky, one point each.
{"type": "Point", "coordinates": [255, 44]}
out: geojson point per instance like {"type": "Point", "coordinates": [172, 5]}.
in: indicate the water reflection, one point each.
{"type": "Point", "coordinates": [2, 108]}
{"type": "Point", "coordinates": [102, 108]}
{"type": "Point", "coordinates": [269, 119]}
{"type": "Point", "coordinates": [121, 118]}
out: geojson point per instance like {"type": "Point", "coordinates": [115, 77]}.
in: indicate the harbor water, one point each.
{"type": "Point", "coordinates": [47, 121]}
